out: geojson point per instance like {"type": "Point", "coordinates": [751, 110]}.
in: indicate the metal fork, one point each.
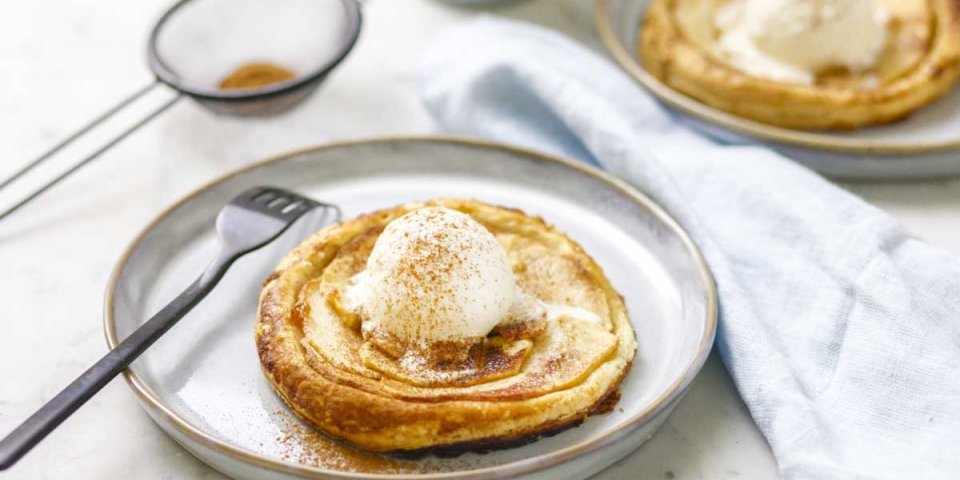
{"type": "Point", "coordinates": [250, 221]}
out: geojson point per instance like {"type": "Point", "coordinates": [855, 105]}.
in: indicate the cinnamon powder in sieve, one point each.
{"type": "Point", "coordinates": [255, 75]}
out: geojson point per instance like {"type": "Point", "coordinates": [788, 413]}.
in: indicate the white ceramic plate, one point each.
{"type": "Point", "coordinates": [925, 145]}
{"type": "Point", "coordinates": [202, 382]}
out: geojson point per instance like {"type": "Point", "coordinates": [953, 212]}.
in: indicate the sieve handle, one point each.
{"type": "Point", "coordinates": [126, 101]}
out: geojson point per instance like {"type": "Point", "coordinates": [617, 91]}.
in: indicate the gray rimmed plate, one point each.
{"type": "Point", "coordinates": [202, 382]}
{"type": "Point", "coordinates": [926, 145]}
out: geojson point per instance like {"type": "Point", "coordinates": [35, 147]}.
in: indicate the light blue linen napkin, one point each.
{"type": "Point", "coordinates": [840, 329]}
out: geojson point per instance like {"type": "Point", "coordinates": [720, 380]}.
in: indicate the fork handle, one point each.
{"type": "Point", "coordinates": [21, 440]}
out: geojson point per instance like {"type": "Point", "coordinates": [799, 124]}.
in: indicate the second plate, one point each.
{"type": "Point", "coordinates": [926, 145]}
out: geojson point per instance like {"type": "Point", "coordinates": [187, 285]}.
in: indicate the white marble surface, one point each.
{"type": "Point", "coordinates": [62, 61]}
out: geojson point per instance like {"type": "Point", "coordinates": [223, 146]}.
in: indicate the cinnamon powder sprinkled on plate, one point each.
{"type": "Point", "coordinates": [304, 445]}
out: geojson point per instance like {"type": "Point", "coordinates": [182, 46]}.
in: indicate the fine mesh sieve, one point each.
{"type": "Point", "coordinates": [197, 43]}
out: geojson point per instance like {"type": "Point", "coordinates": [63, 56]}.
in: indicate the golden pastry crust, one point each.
{"type": "Point", "coordinates": [921, 63]}
{"type": "Point", "coordinates": [316, 359]}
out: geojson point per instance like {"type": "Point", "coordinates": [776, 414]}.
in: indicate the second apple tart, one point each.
{"type": "Point", "coordinates": [806, 64]}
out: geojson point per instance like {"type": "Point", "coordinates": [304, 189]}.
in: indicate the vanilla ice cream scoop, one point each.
{"type": "Point", "coordinates": [793, 40]}
{"type": "Point", "coordinates": [434, 274]}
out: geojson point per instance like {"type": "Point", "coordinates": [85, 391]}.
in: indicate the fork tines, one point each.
{"type": "Point", "coordinates": [278, 202]}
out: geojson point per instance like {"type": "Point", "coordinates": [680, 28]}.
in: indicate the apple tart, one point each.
{"type": "Point", "coordinates": [805, 64]}
{"type": "Point", "coordinates": [441, 327]}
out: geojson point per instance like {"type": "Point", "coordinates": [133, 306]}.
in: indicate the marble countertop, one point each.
{"type": "Point", "coordinates": [62, 62]}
